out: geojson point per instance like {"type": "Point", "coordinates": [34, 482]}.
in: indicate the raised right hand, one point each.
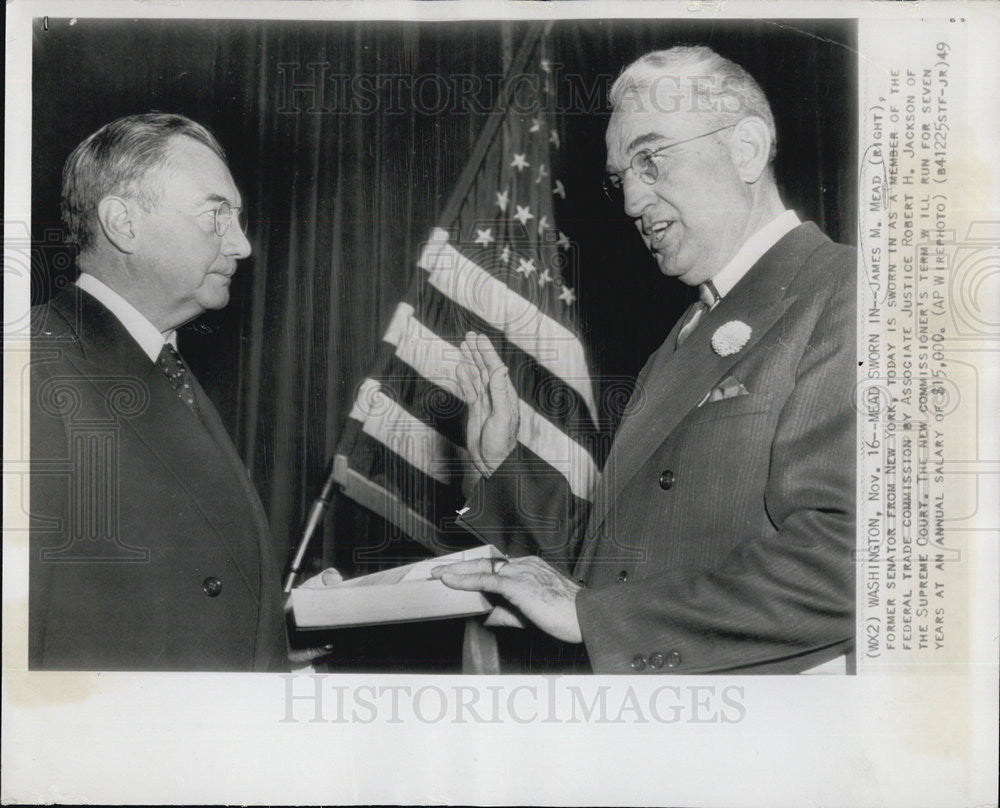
{"type": "Point", "coordinates": [494, 418]}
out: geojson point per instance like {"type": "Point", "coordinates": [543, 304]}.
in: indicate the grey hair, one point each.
{"type": "Point", "coordinates": [733, 93]}
{"type": "Point", "coordinates": [116, 159]}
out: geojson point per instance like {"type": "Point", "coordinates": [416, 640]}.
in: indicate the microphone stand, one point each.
{"type": "Point", "coordinates": [316, 513]}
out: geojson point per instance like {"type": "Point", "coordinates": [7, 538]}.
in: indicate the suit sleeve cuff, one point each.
{"type": "Point", "coordinates": [607, 633]}
{"type": "Point", "coordinates": [525, 508]}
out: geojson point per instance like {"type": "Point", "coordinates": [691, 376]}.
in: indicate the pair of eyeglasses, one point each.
{"type": "Point", "coordinates": [643, 165]}
{"type": "Point", "coordinates": [225, 215]}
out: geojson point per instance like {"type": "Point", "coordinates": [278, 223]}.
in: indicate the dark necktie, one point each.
{"type": "Point", "coordinates": [707, 297]}
{"type": "Point", "coordinates": [173, 367]}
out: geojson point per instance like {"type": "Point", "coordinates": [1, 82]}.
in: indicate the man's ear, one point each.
{"type": "Point", "coordinates": [116, 216]}
{"type": "Point", "coordinates": [751, 148]}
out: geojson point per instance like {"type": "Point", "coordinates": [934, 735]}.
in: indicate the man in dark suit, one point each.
{"type": "Point", "coordinates": [721, 536]}
{"type": "Point", "coordinates": [149, 546]}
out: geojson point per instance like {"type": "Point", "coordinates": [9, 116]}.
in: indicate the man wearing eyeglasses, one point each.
{"type": "Point", "coordinates": [149, 546]}
{"type": "Point", "coordinates": [721, 538]}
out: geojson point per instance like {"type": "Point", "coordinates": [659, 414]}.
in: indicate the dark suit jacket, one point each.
{"type": "Point", "coordinates": [721, 536]}
{"type": "Point", "coordinates": [149, 546]}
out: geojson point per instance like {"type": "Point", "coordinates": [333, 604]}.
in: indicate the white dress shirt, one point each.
{"type": "Point", "coordinates": [144, 332]}
{"type": "Point", "coordinates": [752, 250]}
{"type": "Point", "coordinates": [713, 290]}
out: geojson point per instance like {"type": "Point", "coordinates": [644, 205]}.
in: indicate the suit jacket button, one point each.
{"type": "Point", "coordinates": [622, 576]}
{"type": "Point", "coordinates": [638, 662]}
{"type": "Point", "coordinates": [673, 659]}
{"type": "Point", "coordinates": [667, 480]}
{"type": "Point", "coordinates": [656, 660]}
{"type": "Point", "coordinates": [212, 586]}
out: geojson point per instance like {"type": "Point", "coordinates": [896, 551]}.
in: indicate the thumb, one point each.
{"type": "Point", "coordinates": [500, 384]}
{"type": "Point", "coordinates": [331, 576]}
{"type": "Point", "coordinates": [465, 383]}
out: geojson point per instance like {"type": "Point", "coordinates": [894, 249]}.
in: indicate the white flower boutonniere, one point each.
{"type": "Point", "coordinates": [731, 337]}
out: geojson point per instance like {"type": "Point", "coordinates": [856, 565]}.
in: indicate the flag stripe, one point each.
{"type": "Point", "coordinates": [420, 444]}
{"type": "Point", "coordinates": [424, 351]}
{"type": "Point", "coordinates": [546, 392]}
{"type": "Point", "coordinates": [522, 322]}
{"type": "Point", "coordinates": [425, 496]}
{"type": "Point", "coordinates": [368, 493]}
{"type": "Point", "coordinates": [557, 449]}
{"type": "Point", "coordinates": [431, 356]}
{"type": "Point", "coordinates": [425, 400]}
{"type": "Point", "coordinates": [435, 504]}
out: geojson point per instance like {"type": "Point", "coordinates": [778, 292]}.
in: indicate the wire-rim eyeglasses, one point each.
{"type": "Point", "coordinates": [225, 215]}
{"type": "Point", "coordinates": [644, 166]}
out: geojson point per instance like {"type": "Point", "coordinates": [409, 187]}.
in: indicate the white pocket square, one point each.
{"type": "Point", "coordinates": [730, 387]}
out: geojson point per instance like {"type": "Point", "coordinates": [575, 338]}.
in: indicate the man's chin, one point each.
{"type": "Point", "coordinates": [215, 293]}
{"type": "Point", "coordinates": [669, 267]}
{"type": "Point", "coordinates": [219, 299]}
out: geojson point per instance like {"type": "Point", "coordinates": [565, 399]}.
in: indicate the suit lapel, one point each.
{"type": "Point", "coordinates": [213, 423]}
{"type": "Point", "coordinates": [673, 382]}
{"type": "Point", "coordinates": [167, 426]}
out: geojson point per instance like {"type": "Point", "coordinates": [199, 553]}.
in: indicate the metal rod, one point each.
{"type": "Point", "coordinates": [315, 518]}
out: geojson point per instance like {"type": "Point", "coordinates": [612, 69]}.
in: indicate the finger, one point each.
{"type": "Point", "coordinates": [328, 577]}
{"type": "Point", "coordinates": [302, 655]}
{"type": "Point", "coordinates": [465, 353]}
{"type": "Point", "coordinates": [490, 357]}
{"type": "Point", "coordinates": [464, 372]}
{"type": "Point", "coordinates": [501, 389]}
{"type": "Point", "coordinates": [477, 355]}
{"type": "Point", "coordinates": [467, 346]}
{"type": "Point", "coordinates": [331, 577]}
{"type": "Point", "coordinates": [483, 565]}
{"type": "Point", "coordinates": [469, 353]}
{"type": "Point", "coordinates": [513, 403]}
{"type": "Point", "coordinates": [475, 582]}
{"type": "Point", "coordinates": [500, 386]}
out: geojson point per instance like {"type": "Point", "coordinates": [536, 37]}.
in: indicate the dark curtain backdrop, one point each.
{"type": "Point", "coordinates": [339, 201]}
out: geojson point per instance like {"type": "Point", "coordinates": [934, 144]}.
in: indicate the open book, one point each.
{"type": "Point", "coordinates": [397, 595]}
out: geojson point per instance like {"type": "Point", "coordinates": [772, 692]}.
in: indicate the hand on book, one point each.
{"type": "Point", "coordinates": [542, 594]}
{"type": "Point", "coordinates": [492, 402]}
{"type": "Point", "coordinates": [328, 577]}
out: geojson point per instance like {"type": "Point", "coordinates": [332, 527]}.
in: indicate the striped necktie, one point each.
{"type": "Point", "coordinates": [707, 298]}
{"type": "Point", "coordinates": [173, 367]}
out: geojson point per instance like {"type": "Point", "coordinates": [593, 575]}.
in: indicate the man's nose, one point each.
{"type": "Point", "coordinates": [236, 242]}
{"type": "Point", "coordinates": [636, 195]}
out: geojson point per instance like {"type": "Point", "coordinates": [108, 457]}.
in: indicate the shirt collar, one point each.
{"type": "Point", "coordinates": [142, 331]}
{"type": "Point", "coordinates": [749, 254]}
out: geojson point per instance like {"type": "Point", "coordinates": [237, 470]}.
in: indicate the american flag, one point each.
{"type": "Point", "coordinates": [497, 264]}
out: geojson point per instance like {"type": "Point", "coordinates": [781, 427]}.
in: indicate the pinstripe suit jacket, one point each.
{"type": "Point", "coordinates": [721, 536]}
{"type": "Point", "coordinates": [149, 546]}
